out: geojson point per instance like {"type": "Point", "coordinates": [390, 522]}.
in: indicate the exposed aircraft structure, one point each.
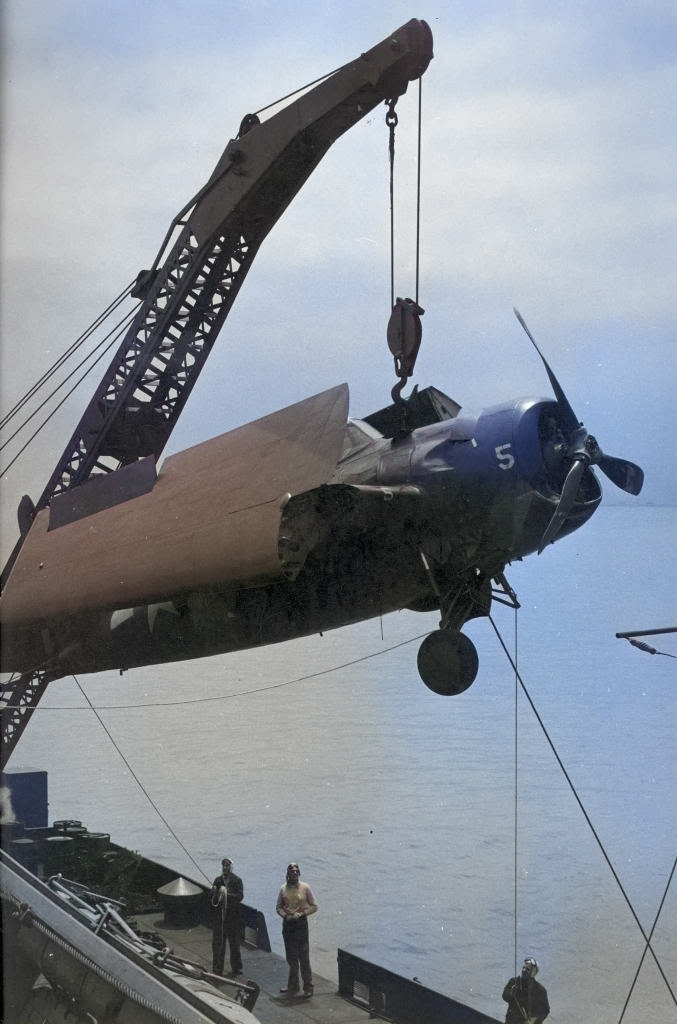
{"type": "Point", "coordinates": [298, 522]}
{"type": "Point", "coordinates": [186, 297]}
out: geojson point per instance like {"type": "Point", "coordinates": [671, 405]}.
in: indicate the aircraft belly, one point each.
{"type": "Point", "coordinates": [210, 624]}
{"type": "Point", "coordinates": [213, 621]}
{"type": "Point", "coordinates": [346, 575]}
{"type": "Point", "coordinates": [342, 553]}
{"type": "Point", "coordinates": [357, 556]}
{"type": "Point", "coordinates": [360, 558]}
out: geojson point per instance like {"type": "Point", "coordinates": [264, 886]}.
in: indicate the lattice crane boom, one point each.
{"type": "Point", "coordinates": [190, 289]}
{"type": "Point", "coordinates": [187, 299]}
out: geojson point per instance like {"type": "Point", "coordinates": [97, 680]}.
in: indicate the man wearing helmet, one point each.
{"type": "Point", "coordinates": [295, 904]}
{"type": "Point", "coordinates": [527, 999]}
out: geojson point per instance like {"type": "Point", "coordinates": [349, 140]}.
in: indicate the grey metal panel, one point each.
{"type": "Point", "coordinates": [102, 491]}
{"type": "Point", "coordinates": [114, 965]}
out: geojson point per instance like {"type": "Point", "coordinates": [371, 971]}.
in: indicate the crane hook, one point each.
{"type": "Point", "coordinates": [404, 340]}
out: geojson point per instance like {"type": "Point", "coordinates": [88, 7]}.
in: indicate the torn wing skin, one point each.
{"type": "Point", "coordinates": [211, 520]}
{"type": "Point", "coordinates": [293, 524]}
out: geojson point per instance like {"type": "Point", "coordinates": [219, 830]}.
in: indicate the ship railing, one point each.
{"type": "Point", "coordinates": [391, 997]}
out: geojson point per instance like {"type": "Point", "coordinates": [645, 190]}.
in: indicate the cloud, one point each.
{"type": "Point", "coordinates": [548, 183]}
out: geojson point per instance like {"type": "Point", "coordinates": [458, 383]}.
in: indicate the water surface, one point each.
{"type": "Point", "coordinates": [401, 805]}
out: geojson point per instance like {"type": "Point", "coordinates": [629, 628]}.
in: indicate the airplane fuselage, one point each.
{"type": "Point", "coordinates": [422, 521]}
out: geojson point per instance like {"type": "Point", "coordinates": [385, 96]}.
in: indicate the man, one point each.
{"type": "Point", "coordinates": [227, 894]}
{"type": "Point", "coordinates": [527, 999]}
{"type": "Point", "coordinates": [295, 904]}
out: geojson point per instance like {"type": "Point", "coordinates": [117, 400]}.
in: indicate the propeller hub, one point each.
{"type": "Point", "coordinates": [582, 450]}
{"type": "Point", "coordinates": [592, 448]}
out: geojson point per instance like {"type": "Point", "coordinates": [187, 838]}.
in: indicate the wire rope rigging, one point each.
{"type": "Point", "coordinates": [102, 348]}
{"type": "Point", "coordinates": [520, 685]}
{"type": "Point", "coordinates": [135, 289]}
{"type": "Point", "coordinates": [138, 782]}
{"type": "Point", "coordinates": [404, 326]}
{"type": "Point", "coordinates": [184, 299]}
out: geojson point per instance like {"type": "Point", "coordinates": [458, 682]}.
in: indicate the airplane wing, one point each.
{"type": "Point", "coordinates": [212, 516]}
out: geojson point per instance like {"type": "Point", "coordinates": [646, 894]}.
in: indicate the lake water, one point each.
{"type": "Point", "coordinates": [402, 807]}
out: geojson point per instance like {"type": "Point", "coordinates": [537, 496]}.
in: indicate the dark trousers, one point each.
{"type": "Point", "coordinates": [227, 930]}
{"type": "Point", "coordinates": [297, 952]}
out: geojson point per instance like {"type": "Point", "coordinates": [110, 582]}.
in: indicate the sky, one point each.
{"type": "Point", "coordinates": [548, 182]}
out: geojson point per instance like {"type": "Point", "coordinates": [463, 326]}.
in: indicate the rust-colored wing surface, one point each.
{"type": "Point", "coordinates": [212, 517]}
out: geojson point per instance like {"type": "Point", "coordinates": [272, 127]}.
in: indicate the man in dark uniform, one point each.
{"type": "Point", "coordinates": [527, 999]}
{"type": "Point", "coordinates": [227, 894]}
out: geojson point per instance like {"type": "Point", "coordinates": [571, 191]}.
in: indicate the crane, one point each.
{"type": "Point", "coordinates": [186, 296]}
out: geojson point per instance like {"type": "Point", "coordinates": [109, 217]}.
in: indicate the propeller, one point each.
{"type": "Point", "coordinates": [582, 451]}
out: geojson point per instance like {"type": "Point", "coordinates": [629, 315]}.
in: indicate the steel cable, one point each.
{"type": "Point", "coordinates": [588, 820]}
{"type": "Point", "coordinates": [64, 357]}
{"type": "Point", "coordinates": [112, 337]}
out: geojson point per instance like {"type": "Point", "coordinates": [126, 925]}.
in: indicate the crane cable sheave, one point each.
{"type": "Point", "coordinates": [404, 340]}
{"type": "Point", "coordinates": [404, 329]}
{"type": "Point", "coordinates": [193, 283]}
{"type": "Point", "coordinates": [188, 293]}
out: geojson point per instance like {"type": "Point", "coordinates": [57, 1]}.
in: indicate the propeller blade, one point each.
{"type": "Point", "coordinates": [565, 503]}
{"type": "Point", "coordinates": [624, 474]}
{"type": "Point", "coordinates": [570, 420]}
{"type": "Point", "coordinates": [583, 451]}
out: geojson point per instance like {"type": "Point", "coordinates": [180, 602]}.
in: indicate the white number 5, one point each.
{"type": "Point", "coordinates": [505, 457]}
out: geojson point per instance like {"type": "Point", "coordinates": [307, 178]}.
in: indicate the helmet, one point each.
{"type": "Point", "coordinates": [530, 968]}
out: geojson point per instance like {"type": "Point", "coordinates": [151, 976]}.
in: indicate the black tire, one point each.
{"type": "Point", "coordinates": [447, 662]}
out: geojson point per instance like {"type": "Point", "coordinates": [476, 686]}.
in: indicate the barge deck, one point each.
{"type": "Point", "coordinates": [91, 928]}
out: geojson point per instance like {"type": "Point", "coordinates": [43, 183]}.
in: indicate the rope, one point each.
{"type": "Point", "coordinates": [228, 696]}
{"type": "Point", "coordinates": [391, 121]}
{"type": "Point", "coordinates": [515, 821]}
{"type": "Point", "coordinates": [588, 820]}
{"type": "Point", "coordinates": [418, 185]}
{"type": "Point", "coordinates": [653, 928]}
{"type": "Point", "coordinates": [115, 333]}
{"type": "Point", "coordinates": [65, 355]}
{"type": "Point", "coordinates": [303, 88]}
{"type": "Point", "coordinates": [139, 783]}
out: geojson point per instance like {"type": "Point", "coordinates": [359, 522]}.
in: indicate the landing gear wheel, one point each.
{"type": "Point", "coordinates": [447, 662]}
